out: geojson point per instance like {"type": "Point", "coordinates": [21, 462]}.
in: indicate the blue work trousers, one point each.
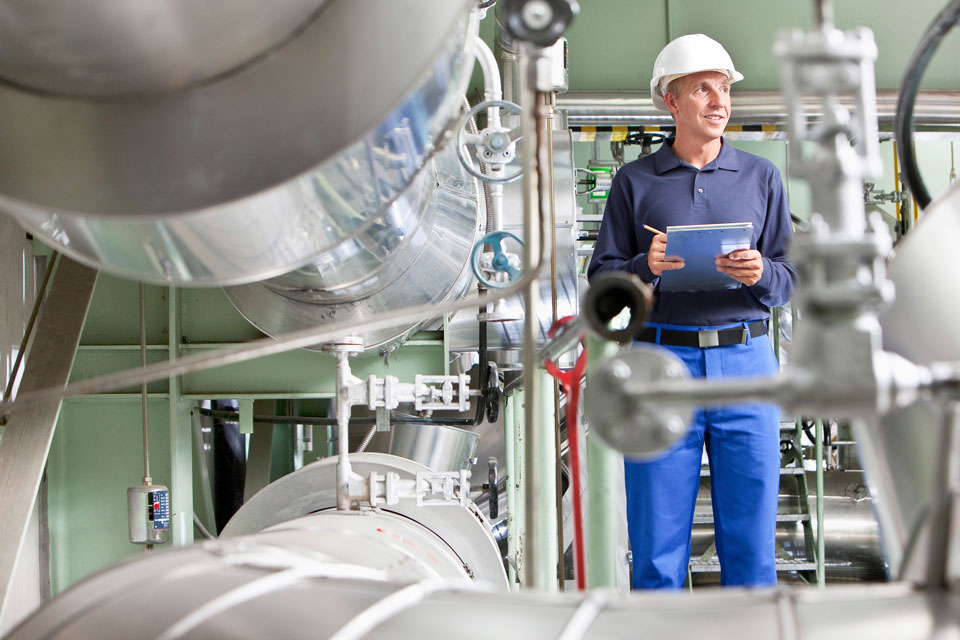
{"type": "Point", "coordinates": [743, 446]}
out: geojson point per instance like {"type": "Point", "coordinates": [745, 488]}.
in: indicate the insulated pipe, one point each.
{"type": "Point", "coordinates": [263, 587]}
{"type": "Point", "coordinates": [541, 524]}
{"type": "Point", "coordinates": [594, 108]}
{"type": "Point", "coordinates": [512, 453]}
{"type": "Point", "coordinates": [491, 78]}
{"type": "Point", "coordinates": [606, 534]}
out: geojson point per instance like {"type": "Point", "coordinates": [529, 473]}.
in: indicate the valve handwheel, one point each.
{"type": "Point", "coordinates": [495, 146]}
{"type": "Point", "coordinates": [499, 264]}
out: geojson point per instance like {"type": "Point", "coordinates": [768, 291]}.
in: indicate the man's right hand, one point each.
{"type": "Point", "coordinates": [656, 256]}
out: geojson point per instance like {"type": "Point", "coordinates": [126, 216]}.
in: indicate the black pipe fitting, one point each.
{"type": "Point", "coordinates": [609, 294]}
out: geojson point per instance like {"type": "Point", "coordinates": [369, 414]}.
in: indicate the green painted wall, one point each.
{"type": "Point", "coordinates": [613, 43]}
{"type": "Point", "coordinates": [96, 455]}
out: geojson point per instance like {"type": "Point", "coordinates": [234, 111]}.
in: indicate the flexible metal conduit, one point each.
{"type": "Point", "coordinates": [933, 108]}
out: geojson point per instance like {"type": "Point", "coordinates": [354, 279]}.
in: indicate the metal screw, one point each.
{"type": "Point", "coordinates": [537, 14]}
{"type": "Point", "coordinates": [498, 141]}
{"type": "Point", "coordinates": [617, 433]}
{"type": "Point", "coordinates": [673, 370]}
{"type": "Point", "coordinates": [670, 428]}
{"type": "Point", "coordinates": [618, 372]}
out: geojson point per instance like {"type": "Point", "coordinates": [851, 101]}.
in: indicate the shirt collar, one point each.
{"type": "Point", "coordinates": [665, 159]}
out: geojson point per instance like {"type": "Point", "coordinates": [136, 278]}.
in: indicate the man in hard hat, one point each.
{"type": "Point", "coordinates": [698, 178]}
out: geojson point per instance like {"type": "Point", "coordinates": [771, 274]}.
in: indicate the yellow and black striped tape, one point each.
{"type": "Point", "coordinates": [619, 133]}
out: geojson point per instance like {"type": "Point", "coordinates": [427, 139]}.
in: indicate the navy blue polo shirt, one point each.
{"type": "Point", "coordinates": [661, 190]}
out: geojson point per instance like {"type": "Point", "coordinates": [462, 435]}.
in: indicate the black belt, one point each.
{"type": "Point", "coordinates": [707, 338]}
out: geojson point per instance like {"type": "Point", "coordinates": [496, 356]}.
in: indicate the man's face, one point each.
{"type": "Point", "coordinates": [701, 104]}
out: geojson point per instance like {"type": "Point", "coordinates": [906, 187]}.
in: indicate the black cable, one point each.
{"type": "Point", "coordinates": [908, 95]}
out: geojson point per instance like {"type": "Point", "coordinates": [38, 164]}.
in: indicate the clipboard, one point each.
{"type": "Point", "coordinates": [699, 245]}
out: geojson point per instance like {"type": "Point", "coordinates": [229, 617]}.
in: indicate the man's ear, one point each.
{"type": "Point", "coordinates": [671, 101]}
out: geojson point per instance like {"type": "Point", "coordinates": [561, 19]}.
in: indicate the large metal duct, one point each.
{"type": "Point", "coordinates": [920, 325]}
{"type": "Point", "coordinates": [438, 446]}
{"type": "Point", "coordinates": [307, 580]}
{"type": "Point", "coordinates": [327, 568]}
{"type": "Point", "coordinates": [313, 488]}
{"type": "Point", "coordinates": [225, 143]}
{"type": "Point", "coordinates": [414, 251]}
{"type": "Point", "coordinates": [289, 566]}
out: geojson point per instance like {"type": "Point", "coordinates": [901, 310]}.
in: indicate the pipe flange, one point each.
{"type": "Point", "coordinates": [351, 345]}
{"type": "Point", "coordinates": [626, 424]}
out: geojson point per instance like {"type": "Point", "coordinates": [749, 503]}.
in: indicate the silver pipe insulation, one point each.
{"type": "Point", "coordinates": [273, 592]}
{"type": "Point", "coordinates": [262, 347]}
{"type": "Point", "coordinates": [491, 78]}
{"type": "Point", "coordinates": [594, 108]}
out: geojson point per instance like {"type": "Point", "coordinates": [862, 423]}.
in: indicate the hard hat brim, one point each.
{"type": "Point", "coordinates": [656, 94]}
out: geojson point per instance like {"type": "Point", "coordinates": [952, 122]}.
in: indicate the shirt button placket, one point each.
{"type": "Point", "coordinates": [698, 196]}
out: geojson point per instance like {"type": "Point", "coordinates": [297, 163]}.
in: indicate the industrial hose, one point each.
{"type": "Point", "coordinates": [910, 85]}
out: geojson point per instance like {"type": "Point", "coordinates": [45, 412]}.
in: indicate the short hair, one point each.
{"type": "Point", "coordinates": [674, 85]}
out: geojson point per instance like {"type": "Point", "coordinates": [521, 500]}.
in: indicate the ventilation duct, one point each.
{"type": "Point", "coordinates": [224, 144]}
{"type": "Point", "coordinates": [414, 251]}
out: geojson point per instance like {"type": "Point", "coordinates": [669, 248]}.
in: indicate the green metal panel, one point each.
{"type": "Point", "coordinates": [613, 44]}
{"type": "Point", "coordinates": [746, 28]}
{"type": "Point", "coordinates": [114, 317]}
{"type": "Point", "coordinates": [96, 455]}
{"type": "Point", "coordinates": [898, 28]}
{"type": "Point", "coordinates": [96, 360]}
{"type": "Point", "coordinates": [281, 453]}
{"type": "Point", "coordinates": [207, 315]}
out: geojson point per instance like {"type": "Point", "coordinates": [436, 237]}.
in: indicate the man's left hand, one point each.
{"type": "Point", "coordinates": [744, 265]}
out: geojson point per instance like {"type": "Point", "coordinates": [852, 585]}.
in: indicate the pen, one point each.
{"type": "Point", "coordinates": [649, 228]}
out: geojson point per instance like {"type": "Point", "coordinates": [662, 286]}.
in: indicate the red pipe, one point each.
{"type": "Point", "coordinates": [570, 380]}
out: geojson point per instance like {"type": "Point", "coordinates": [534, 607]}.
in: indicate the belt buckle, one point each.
{"type": "Point", "coordinates": [709, 338]}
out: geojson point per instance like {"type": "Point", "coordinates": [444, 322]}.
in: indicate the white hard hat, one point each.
{"type": "Point", "coordinates": [685, 55]}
